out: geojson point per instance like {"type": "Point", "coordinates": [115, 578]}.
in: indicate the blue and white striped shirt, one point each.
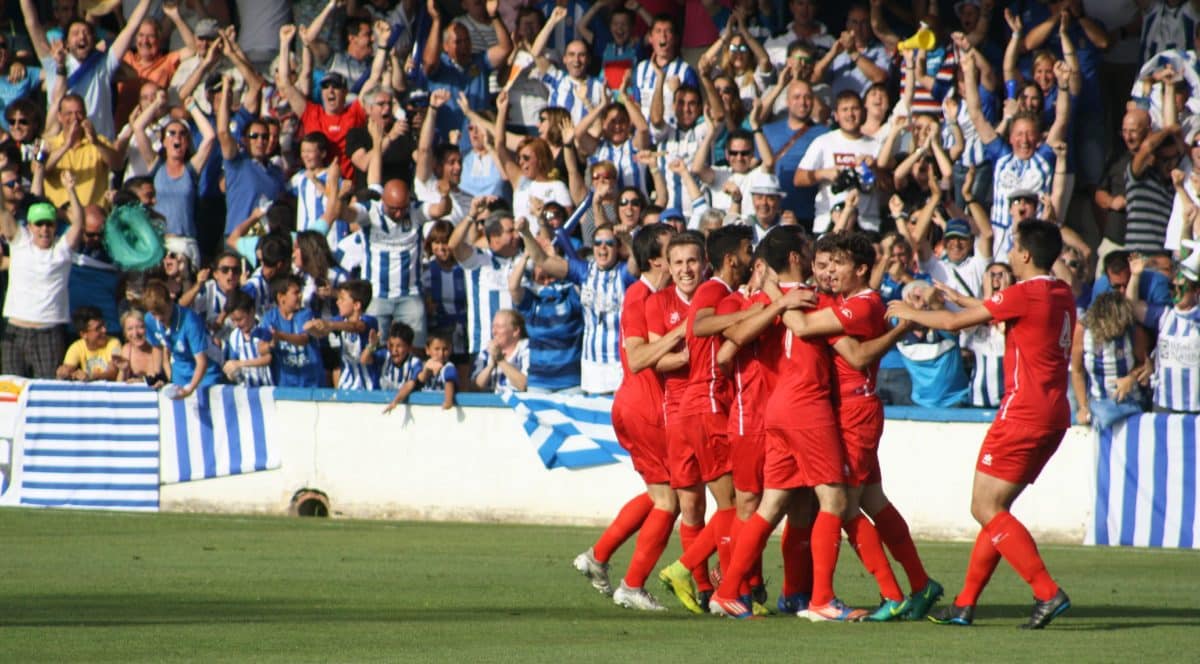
{"type": "Point", "coordinates": [210, 303]}
{"type": "Point", "coordinates": [562, 92]}
{"type": "Point", "coordinates": [448, 290]}
{"type": "Point", "coordinates": [498, 381]}
{"type": "Point", "coordinates": [1106, 362]}
{"type": "Point", "coordinates": [354, 374]}
{"type": "Point", "coordinates": [1176, 358]}
{"type": "Point", "coordinates": [239, 346]}
{"type": "Point", "coordinates": [679, 144]}
{"type": "Point", "coordinates": [310, 199]}
{"type": "Point", "coordinates": [393, 376]}
{"type": "Point", "coordinates": [1011, 174]}
{"type": "Point", "coordinates": [629, 172]}
{"type": "Point", "coordinates": [644, 79]}
{"type": "Point", "coordinates": [393, 251]}
{"type": "Point", "coordinates": [987, 383]}
{"type": "Point", "coordinates": [487, 293]}
{"type": "Point", "coordinates": [447, 375]}
{"type": "Point", "coordinates": [258, 288]}
{"type": "Point", "coordinates": [602, 293]}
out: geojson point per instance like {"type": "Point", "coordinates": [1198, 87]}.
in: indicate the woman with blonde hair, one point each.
{"type": "Point", "coordinates": [139, 361]}
{"type": "Point", "coordinates": [531, 172]}
{"type": "Point", "coordinates": [1108, 359]}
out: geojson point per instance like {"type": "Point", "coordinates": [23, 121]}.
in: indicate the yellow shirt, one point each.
{"type": "Point", "coordinates": [85, 161]}
{"type": "Point", "coordinates": [93, 362]}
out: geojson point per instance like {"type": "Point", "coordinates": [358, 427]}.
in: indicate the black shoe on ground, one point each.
{"type": "Point", "coordinates": [1044, 612]}
{"type": "Point", "coordinates": [954, 614]}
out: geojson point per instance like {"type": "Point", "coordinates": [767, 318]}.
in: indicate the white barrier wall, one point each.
{"type": "Point", "coordinates": [476, 463]}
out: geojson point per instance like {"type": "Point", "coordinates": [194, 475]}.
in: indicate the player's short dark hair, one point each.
{"type": "Point", "coordinates": [83, 316]}
{"type": "Point", "coordinates": [403, 331]}
{"type": "Point", "coordinates": [239, 300]}
{"type": "Point", "coordinates": [780, 243]}
{"type": "Point", "coordinates": [359, 290]}
{"type": "Point", "coordinates": [276, 249]}
{"type": "Point", "coordinates": [687, 238]}
{"type": "Point", "coordinates": [726, 240]}
{"type": "Point", "coordinates": [1116, 262]}
{"type": "Point", "coordinates": [855, 245]}
{"type": "Point", "coordinates": [646, 244]}
{"type": "Point", "coordinates": [281, 284]}
{"type": "Point", "coordinates": [1043, 241]}
{"type": "Point", "coordinates": [827, 243]}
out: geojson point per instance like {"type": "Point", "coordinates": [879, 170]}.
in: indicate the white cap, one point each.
{"type": "Point", "coordinates": [764, 183]}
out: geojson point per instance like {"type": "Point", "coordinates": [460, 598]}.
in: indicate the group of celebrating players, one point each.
{"type": "Point", "coordinates": [751, 370]}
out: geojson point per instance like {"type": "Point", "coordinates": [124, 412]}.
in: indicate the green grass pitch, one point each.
{"type": "Point", "coordinates": [99, 587]}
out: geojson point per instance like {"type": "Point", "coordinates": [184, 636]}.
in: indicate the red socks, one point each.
{"type": "Point", "coordinates": [628, 520]}
{"type": "Point", "coordinates": [653, 538]}
{"type": "Point", "coordinates": [722, 526]}
{"type": "Point", "coordinates": [984, 558]}
{"type": "Point", "coordinates": [697, 540]}
{"type": "Point", "coordinates": [1013, 541]}
{"type": "Point", "coordinates": [826, 539]}
{"type": "Point", "coordinates": [893, 530]}
{"type": "Point", "coordinates": [865, 540]}
{"type": "Point", "coordinates": [750, 543]}
{"type": "Point", "coordinates": [797, 559]}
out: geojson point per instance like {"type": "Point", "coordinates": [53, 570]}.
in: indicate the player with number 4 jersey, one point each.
{"type": "Point", "coordinates": [1040, 315]}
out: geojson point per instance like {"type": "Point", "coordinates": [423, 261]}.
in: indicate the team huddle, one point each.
{"type": "Point", "coordinates": [750, 371]}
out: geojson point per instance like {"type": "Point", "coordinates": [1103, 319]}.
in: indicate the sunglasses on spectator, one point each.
{"type": "Point", "coordinates": [20, 121]}
{"type": "Point", "coordinates": [227, 269]}
{"type": "Point", "coordinates": [739, 153]}
{"type": "Point", "coordinates": [326, 84]}
{"type": "Point", "coordinates": [550, 215]}
{"type": "Point", "coordinates": [257, 136]}
{"type": "Point", "coordinates": [1071, 263]}
{"type": "Point", "coordinates": [802, 58]}
{"type": "Point", "coordinates": [725, 90]}
{"type": "Point", "coordinates": [44, 222]}
{"type": "Point", "coordinates": [13, 183]}
{"type": "Point", "coordinates": [606, 242]}
{"type": "Point", "coordinates": [626, 202]}
{"type": "Point", "coordinates": [177, 132]}
{"type": "Point", "coordinates": [602, 176]}
{"type": "Point", "coordinates": [738, 48]}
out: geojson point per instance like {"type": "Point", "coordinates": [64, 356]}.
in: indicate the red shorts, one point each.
{"type": "Point", "coordinates": [808, 457]}
{"type": "Point", "coordinates": [746, 457]}
{"type": "Point", "coordinates": [861, 424]}
{"type": "Point", "coordinates": [1017, 452]}
{"type": "Point", "coordinates": [697, 449]}
{"type": "Point", "coordinates": [645, 440]}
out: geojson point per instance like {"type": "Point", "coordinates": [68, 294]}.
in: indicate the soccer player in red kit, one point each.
{"type": "Point", "coordinates": [666, 310]}
{"type": "Point", "coordinates": [637, 421]}
{"type": "Point", "coordinates": [856, 314]}
{"type": "Point", "coordinates": [699, 449]}
{"type": "Point", "coordinates": [1040, 314]}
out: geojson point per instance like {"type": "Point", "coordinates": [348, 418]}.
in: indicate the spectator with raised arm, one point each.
{"type": "Point", "coordinates": [553, 316]}
{"type": "Point", "coordinates": [487, 269]}
{"type": "Point", "coordinates": [251, 180]}
{"type": "Point", "coordinates": [80, 149]}
{"type": "Point", "coordinates": [1176, 381]}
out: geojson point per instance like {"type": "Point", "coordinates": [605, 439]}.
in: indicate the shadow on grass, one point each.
{"type": "Point", "coordinates": [165, 610]}
{"type": "Point", "coordinates": [1094, 618]}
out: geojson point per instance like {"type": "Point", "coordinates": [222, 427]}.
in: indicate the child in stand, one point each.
{"type": "Point", "coordinates": [352, 328]}
{"type": "Point", "coordinates": [248, 348]}
{"type": "Point", "coordinates": [445, 286]}
{"type": "Point", "coordinates": [294, 358]}
{"type": "Point", "coordinates": [398, 367]}
{"type": "Point", "coordinates": [439, 373]}
{"type": "Point", "coordinates": [275, 252]}
{"type": "Point", "coordinates": [91, 356]}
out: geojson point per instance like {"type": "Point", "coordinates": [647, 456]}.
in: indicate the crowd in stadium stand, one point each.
{"type": "Point", "coordinates": [442, 195]}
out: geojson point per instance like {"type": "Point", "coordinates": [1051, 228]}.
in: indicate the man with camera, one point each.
{"type": "Point", "coordinates": [840, 161]}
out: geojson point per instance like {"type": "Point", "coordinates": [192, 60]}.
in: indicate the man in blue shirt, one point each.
{"type": "Point", "coordinates": [1154, 288]}
{"type": "Point", "coordinates": [789, 139]}
{"type": "Point", "coordinates": [449, 64]}
{"type": "Point", "coordinates": [553, 315]}
{"type": "Point", "coordinates": [250, 177]}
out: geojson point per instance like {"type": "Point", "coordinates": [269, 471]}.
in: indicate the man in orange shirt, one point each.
{"type": "Point", "coordinates": [147, 62]}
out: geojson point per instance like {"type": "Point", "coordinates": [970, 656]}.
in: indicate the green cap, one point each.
{"type": "Point", "coordinates": [41, 212]}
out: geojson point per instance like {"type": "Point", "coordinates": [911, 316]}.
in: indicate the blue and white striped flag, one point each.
{"type": "Point", "coordinates": [219, 431]}
{"type": "Point", "coordinates": [569, 431]}
{"type": "Point", "coordinates": [89, 446]}
{"type": "Point", "coordinates": [1146, 470]}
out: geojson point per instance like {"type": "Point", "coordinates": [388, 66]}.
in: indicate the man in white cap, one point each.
{"type": "Point", "coordinates": [767, 198]}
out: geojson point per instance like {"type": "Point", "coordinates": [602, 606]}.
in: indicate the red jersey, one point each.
{"type": "Point", "coordinates": [665, 310]}
{"type": "Point", "coordinates": [1040, 313]}
{"type": "Point", "coordinates": [708, 389]}
{"type": "Point", "coordinates": [644, 388]}
{"type": "Point", "coordinates": [863, 317]}
{"type": "Point", "coordinates": [801, 397]}
{"type": "Point", "coordinates": [335, 128]}
{"type": "Point", "coordinates": [748, 380]}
